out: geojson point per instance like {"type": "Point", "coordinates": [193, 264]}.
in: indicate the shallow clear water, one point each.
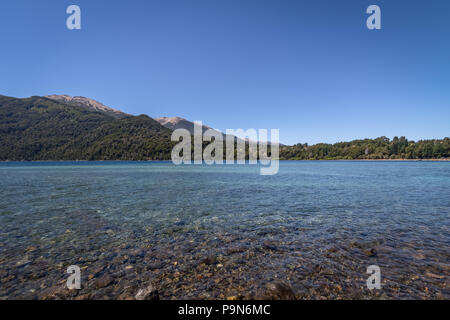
{"type": "Point", "coordinates": [316, 225]}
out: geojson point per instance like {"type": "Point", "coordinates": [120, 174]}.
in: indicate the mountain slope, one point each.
{"type": "Point", "coordinates": [32, 128]}
{"type": "Point", "coordinates": [132, 138]}
{"type": "Point", "coordinates": [39, 128]}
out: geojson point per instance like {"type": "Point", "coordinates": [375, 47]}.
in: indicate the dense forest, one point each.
{"type": "Point", "coordinates": [379, 148]}
{"type": "Point", "coordinates": [39, 128]}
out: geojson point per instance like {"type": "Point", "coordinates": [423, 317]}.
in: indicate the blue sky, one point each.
{"type": "Point", "coordinates": [309, 68]}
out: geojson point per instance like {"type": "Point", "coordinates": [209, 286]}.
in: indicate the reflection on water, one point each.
{"type": "Point", "coordinates": [203, 232]}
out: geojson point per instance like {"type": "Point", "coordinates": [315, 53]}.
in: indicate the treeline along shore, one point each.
{"type": "Point", "coordinates": [45, 128]}
{"type": "Point", "coordinates": [380, 148]}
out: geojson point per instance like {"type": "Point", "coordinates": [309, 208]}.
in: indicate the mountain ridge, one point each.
{"type": "Point", "coordinates": [174, 123]}
{"type": "Point", "coordinates": [88, 103]}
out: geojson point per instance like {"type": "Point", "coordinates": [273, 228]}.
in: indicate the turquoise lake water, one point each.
{"type": "Point", "coordinates": [316, 225]}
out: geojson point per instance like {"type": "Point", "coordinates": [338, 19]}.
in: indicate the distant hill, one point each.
{"type": "Point", "coordinates": [40, 128]}
{"type": "Point", "coordinates": [174, 123]}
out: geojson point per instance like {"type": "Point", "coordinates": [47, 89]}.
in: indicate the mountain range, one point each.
{"type": "Point", "coordinates": [61, 127]}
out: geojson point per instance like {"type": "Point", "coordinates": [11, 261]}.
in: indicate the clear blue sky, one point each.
{"type": "Point", "coordinates": [310, 68]}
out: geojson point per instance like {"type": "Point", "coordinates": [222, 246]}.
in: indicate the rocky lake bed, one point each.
{"type": "Point", "coordinates": [268, 245]}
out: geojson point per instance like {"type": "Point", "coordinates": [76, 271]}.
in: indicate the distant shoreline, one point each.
{"type": "Point", "coordinates": [378, 160]}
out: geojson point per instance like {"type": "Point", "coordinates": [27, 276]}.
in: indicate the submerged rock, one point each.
{"type": "Point", "coordinates": [279, 291]}
{"type": "Point", "coordinates": [149, 293]}
{"type": "Point", "coordinates": [270, 246]}
{"type": "Point", "coordinates": [370, 252]}
{"type": "Point", "coordinates": [209, 260]}
{"type": "Point", "coordinates": [104, 281]}
{"type": "Point", "coordinates": [56, 292]}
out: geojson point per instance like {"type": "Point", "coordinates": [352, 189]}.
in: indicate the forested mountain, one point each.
{"type": "Point", "coordinates": [39, 128]}
{"type": "Point", "coordinates": [77, 128]}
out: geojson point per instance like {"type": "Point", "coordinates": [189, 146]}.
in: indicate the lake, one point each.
{"type": "Point", "coordinates": [225, 232]}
